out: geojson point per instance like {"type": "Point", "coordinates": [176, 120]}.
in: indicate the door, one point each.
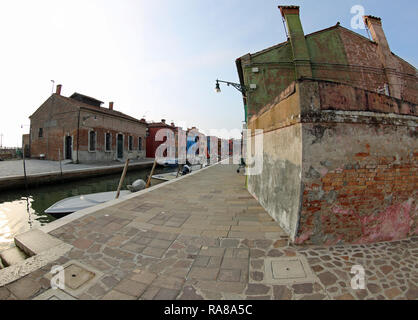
{"type": "Point", "coordinates": [68, 148]}
{"type": "Point", "coordinates": [120, 146]}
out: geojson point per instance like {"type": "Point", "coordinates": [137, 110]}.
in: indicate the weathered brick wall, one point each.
{"type": "Point", "coordinates": [102, 124]}
{"type": "Point", "coordinates": [338, 96]}
{"type": "Point", "coordinates": [56, 119]}
{"type": "Point", "coordinates": [409, 89]}
{"type": "Point", "coordinates": [360, 181]}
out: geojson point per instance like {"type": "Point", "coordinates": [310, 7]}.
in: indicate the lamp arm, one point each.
{"type": "Point", "coordinates": [239, 87]}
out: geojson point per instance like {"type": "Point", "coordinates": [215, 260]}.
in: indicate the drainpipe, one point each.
{"type": "Point", "coordinates": [30, 138]}
{"type": "Point", "coordinates": [78, 132]}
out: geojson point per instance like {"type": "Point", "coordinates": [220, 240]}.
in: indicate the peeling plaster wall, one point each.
{"type": "Point", "coordinates": [359, 180]}
{"type": "Point", "coordinates": [278, 188]}
{"type": "Point", "coordinates": [340, 164]}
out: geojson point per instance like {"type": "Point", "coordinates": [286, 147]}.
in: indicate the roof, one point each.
{"type": "Point", "coordinates": [86, 99]}
{"type": "Point", "coordinates": [159, 125]}
{"type": "Point", "coordinates": [102, 110]}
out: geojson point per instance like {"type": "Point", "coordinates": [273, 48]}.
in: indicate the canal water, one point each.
{"type": "Point", "coordinates": [21, 211]}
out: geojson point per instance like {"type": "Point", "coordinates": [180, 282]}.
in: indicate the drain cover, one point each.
{"type": "Point", "coordinates": [76, 276]}
{"type": "Point", "coordinates": [287, 270]}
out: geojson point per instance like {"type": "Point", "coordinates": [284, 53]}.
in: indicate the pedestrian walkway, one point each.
{"type": "Point", "coordinates": [33, 166]}
{"type": "Point", "coordinates": [46, 172]}
{"type": "Point", "coordinates": [206, 237]}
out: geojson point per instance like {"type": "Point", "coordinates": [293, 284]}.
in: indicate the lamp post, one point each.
{"type": "Point", "coordinates": [241, 88]}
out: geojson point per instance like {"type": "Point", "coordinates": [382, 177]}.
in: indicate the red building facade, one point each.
{"type": "Point", "coordinates": [153, 129]}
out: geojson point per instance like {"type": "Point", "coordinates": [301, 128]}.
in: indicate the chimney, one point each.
{"type": "Point", "coordinates": [163, 121]}
{"type": "Point", "coordinates": [301, 58]}
{"type": "Point", "coordinates": [110, 105]}
{"type": "Point", "coordinates": [374, 24]}
{"type": "Point", "coordinates": [58, 92]}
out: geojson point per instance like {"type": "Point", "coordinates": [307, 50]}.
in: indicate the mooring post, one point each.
{"type": "Point", "coordinates": [125, 169]}
{"type": "Point", "coordinates": [152, 173]}
{"type": "Point", "coordinates": [59, 157]}
{"type": "Point", "coordinates": [24, 168]}
{"type": "Point", "coordinates": [178, 171]}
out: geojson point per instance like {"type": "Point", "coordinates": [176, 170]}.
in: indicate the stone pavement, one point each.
{"type": "Point", "coordinates": [33, 166]}
{"type": "Point", "coordinates": [206, 237]}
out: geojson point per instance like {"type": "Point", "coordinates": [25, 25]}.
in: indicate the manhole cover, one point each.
{"type": "Point", "coordinates": [76, 276]}
{"type": "Point", "coordinates": [287, 270]}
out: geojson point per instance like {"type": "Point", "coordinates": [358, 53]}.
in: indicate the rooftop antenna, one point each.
{"type": "Point", "coordinates": [145, 113]}
{"type": "Point", "coordinates": [53, 85]}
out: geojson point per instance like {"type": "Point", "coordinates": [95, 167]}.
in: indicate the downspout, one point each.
{"type": "Point", "coordinates": [78, 132]}
{"type": "Point", "coordinates": [245, 100]}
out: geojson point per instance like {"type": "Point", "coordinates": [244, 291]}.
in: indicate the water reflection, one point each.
{"type": "Point", "coordinates": [21, 211]}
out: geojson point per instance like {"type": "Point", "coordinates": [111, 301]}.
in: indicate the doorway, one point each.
{"type": "Point", "coordinates": [68, 148]}
{"type": "Point", "coordinates": [120, 146]}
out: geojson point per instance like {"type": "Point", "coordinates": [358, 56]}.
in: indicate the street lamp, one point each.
{"type": "Point", "coordinates": [217, 88]}
{"type": "Point", "coordinates": [239, 87]}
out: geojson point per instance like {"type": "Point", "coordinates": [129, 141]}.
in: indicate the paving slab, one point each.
{"type": "Point", "coordinates": [35, 241]}
{"type": "Point", "coordinates": [12, 256]}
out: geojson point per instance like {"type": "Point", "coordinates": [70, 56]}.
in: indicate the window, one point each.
{"type": "Point", "coordinates": [92, 141]}
{"type": "Point", "coordinates": [107, 142]}
{"type": "Point", "coordinates": [130, 143]}
{"type": "Point", "coordinates": [139, 143]}
{"type": "Point", "coordinates": [41, 132]}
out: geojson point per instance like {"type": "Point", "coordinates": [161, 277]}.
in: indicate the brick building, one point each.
{"type": "Point", "coordinates": [81, 130]}
{"type": "Point", "coordinates": [339, 115]}
{"type": "Point", "coordinates": [153, 128]}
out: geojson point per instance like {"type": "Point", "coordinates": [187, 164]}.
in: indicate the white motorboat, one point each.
{"type": "Point", "coordinates": [76, 203]}
{"type": "Point", "coordinates": [163, 177]}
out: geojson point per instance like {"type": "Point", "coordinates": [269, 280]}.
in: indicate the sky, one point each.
{"type": "Point", "coordinates": [158, 59]}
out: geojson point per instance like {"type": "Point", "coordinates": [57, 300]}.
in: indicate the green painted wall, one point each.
{"type": "Point", "coordinates": [277, 70]}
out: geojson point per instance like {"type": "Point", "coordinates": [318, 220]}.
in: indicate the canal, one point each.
{"type": "Point", "coordinates": [21, 211]}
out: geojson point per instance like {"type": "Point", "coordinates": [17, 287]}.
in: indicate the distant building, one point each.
{"type": "Point", "coordinates": [153, 128]}
{"type": "Point", "coordinates": [196, 139]}
{"type": "Point", "coordinates": [339, 116]}
{"type": "Point", "coordinates": [80, 129]}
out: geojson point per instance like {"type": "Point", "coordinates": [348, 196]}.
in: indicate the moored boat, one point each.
{"type": "Point", "coordinates": [76, 203]}
{"type": "Point", "coordinates": [164, 177]}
